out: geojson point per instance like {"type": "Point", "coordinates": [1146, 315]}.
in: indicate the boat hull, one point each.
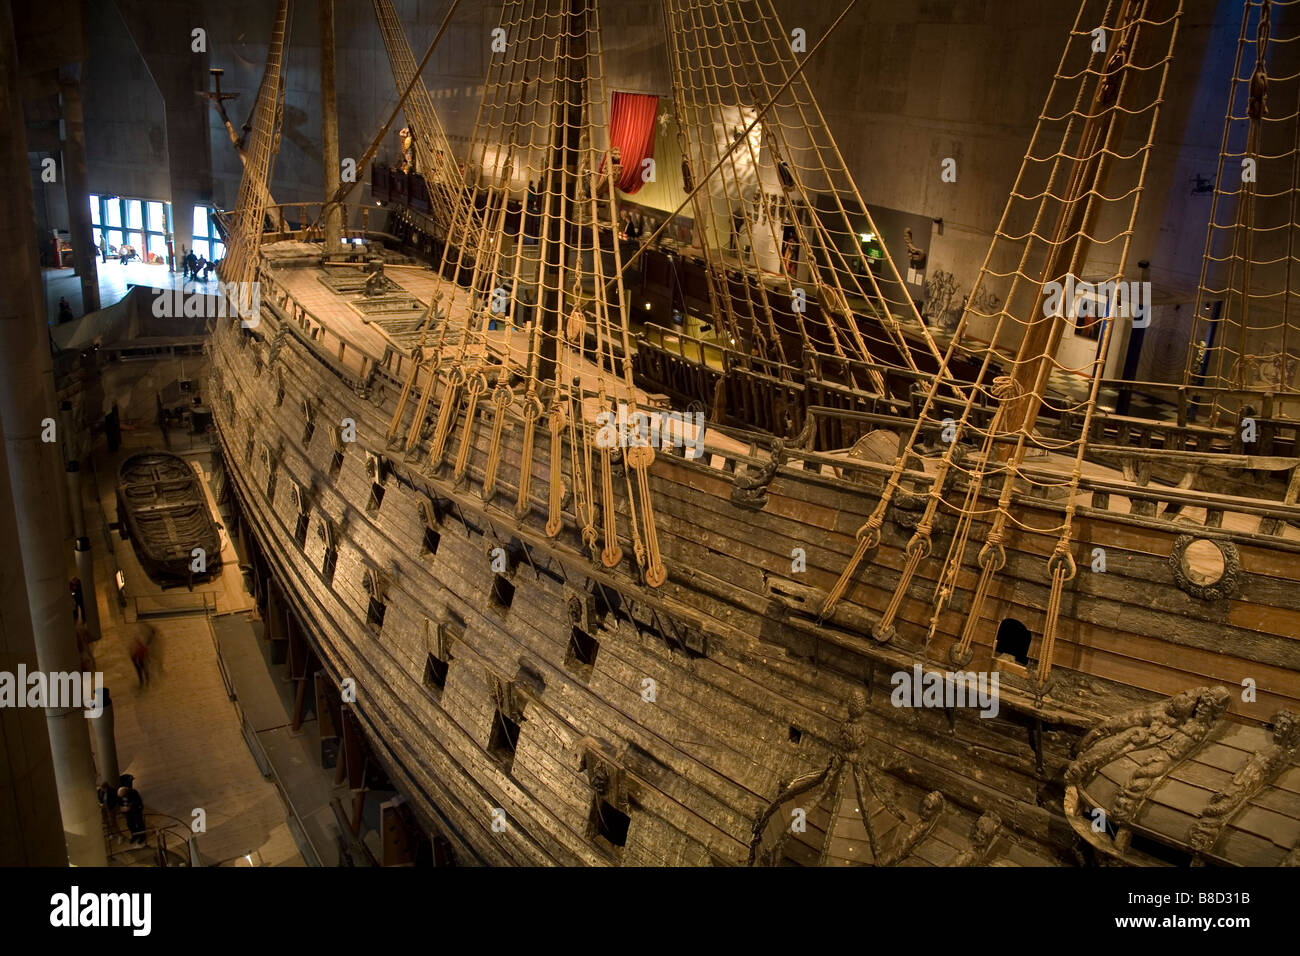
{"type": "Point", "coordinates": [707, 695]}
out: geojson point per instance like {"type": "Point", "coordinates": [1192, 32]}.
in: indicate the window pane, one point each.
{"type": "Point", "coordinates": [133, 214]}
{"type": "Point", "coordinates": [94, 209]}
{"type": "Point", "coordinates": [114, 212]}
{"type": "Point", "coordinates": [157, 222]}
{"type": "Point", "coordinates": [218, 252]}
{"type": "Point", "coordinates": [158, 246]}
{"type": "Point", "coordinates": [201, 247]}
{"type": "Point", "coordinates": [200, 221]}
{"type": "Point", "coordinates": [114, 238]}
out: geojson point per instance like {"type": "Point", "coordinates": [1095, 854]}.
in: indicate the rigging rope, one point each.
{"type": "Point", "coordinates": [1016, 325]}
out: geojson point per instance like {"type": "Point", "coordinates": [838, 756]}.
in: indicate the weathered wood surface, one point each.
{"type": "Point", "coordinates": [716, 745]}
{"type": "Point", "coordinates": [1258, 832]}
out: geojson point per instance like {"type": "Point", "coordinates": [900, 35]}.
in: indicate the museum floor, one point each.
{"type": "Point", "coordinates": [211, 729]}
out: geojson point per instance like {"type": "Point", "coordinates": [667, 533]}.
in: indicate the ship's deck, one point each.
{"type": "Point", "coordinates": [296, 266]}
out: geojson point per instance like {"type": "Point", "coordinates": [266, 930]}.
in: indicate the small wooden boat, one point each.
{"type": "Point", "coordinates": [161, 506]}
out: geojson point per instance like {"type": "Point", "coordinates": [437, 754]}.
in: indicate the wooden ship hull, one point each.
{"type": "Point", "coordinates": [162, 508]}
{"type": "Point", "coordinates": [567, 650]}
{"type": "Point", "coordinates": [744, 682]}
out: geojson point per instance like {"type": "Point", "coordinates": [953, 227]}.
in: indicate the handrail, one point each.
{"type": "Point", "coordinates": [305, 229]}
{"type": "Point", "coordinates": [190, 602]}
{"type": "Point", "coordinates": [175, 837]}
{"type": "Point", "coordinates": [1186, 396]}
{"type": "Point", "coordinates": [1212, 502]}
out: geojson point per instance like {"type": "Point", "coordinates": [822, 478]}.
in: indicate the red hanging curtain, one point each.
{"type": "Point", "coordinates": [632, 132]}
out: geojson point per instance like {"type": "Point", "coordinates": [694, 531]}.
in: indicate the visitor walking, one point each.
{"type": "Point", "coordinates": [140, 652]}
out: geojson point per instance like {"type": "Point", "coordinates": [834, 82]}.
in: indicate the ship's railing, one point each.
{"type": "Point", "coordinates": [294, 220]}
{"type": "Point", "coordinates": [766, 394]}
{"type": "Point", "coordinates": [1144, 499]}
{"type": "Point", "coordinates": [678, 342]}
{"type": "Point", "coordinates": [1189, 401]}
{"type": "Point", "coordinates": [688, 367]}
{"type": "Point", "coordinates": [350, 357]}
{"type": "Point", "coordinates": [817, 366]}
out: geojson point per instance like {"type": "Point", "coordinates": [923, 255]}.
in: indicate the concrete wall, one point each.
{"type": "Point", "coordinates": [903, 86]}
{"type": "Point", "coordinates": [126, 120]}
{"type": "Point", "coordinates": [365, 83]}
{"type": "Point", "coordinates": [908, 85]}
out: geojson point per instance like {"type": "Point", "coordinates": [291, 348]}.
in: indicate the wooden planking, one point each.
{"type": "Point", "coordinates": [1126, 655]}
{"type": "Point", "coordinates": [390, 710]}
{"type": "Point", "coordinates": [341, 559]}
{"type": "Point", "coordinates": [417, 658]}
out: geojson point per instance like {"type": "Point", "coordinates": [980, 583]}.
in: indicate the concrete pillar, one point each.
{"type": "Point", "coordinates": [329, 125]}
{"type": "Point", "coordinates": [31, 830]}
{"type": "Point", "coordinates": [26, 400]}
{"type": "Point", "coordinates": [161, 32]}
{"type": "Point", "coordinates": [106, 741]}
{"type": "Point", "coordinates": [72, 470]}
{"type": "Point", "coordinates": [82, 551]}
{"type": "Point", "coordinates": [84, 254]}
{"type": "Point", "coordinates": [86, 571]}
{"type": "Point", "coordinates": [69, 443]}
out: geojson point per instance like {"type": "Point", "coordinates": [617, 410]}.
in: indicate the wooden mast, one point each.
{"type": "Point", "coordinates": [1071, 236]}
{"type": "Point", "coordinates": [329, 121]}
{"type": "Point", "coordinates": [562, 177]}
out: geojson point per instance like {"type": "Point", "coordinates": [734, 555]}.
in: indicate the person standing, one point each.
{"type": "Point", "coordinates": [103, 247]}
{"type": "Point", "coordinates": [133, 809]}
{"type": "Point", "coordinates": [78, 600]}
{"type": "Point", "coordinates": [110, 802]}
